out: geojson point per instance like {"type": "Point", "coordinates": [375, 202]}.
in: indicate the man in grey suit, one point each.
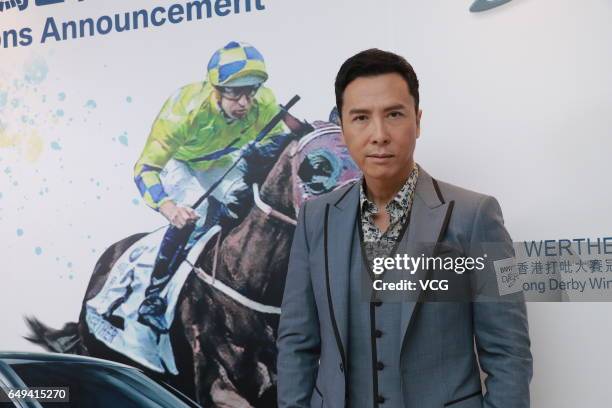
{"type": "Point", "coordinates": [339, 347]}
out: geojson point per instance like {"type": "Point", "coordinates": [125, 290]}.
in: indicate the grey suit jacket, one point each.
{"type": "Point", "coordinates": [438, 361]}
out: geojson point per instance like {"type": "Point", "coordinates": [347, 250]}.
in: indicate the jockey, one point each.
{"type": "Point", "coordinates": [201, 130]}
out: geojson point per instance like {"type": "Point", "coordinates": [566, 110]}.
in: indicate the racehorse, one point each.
{"type": "Point", "coordinates": [224, 344]}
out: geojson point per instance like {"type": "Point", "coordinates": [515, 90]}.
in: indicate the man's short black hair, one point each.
{"type": "Point", "coordinates": [374, 62]}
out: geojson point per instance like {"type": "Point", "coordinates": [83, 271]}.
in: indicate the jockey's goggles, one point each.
{"type": "Point", "coordinates": [234, 93]}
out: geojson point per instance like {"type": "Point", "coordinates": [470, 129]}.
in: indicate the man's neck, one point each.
{"type": "Point", "coordinates": [382, 191]}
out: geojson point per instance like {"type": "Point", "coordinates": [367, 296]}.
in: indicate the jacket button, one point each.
{"type": "Point", "coordinates": [380, 366]}
{"type": "Point", "coordinates": [341, 367]}
{"type": "Point", "coordinates": [378, 303]}
{"type": "Point", "coordinates": [378, 333]}
{"type": "Point", "coordinates": [380, 399]}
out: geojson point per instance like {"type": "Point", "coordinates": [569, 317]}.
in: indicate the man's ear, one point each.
{"type": "Point", "coordinates": [418, 122]}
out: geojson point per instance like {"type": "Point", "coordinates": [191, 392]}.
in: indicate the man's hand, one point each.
{"type": "Point", "coordinates": [177, 215]}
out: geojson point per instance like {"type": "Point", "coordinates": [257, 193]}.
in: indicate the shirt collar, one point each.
{"type": "Point", "coordinates": [400, 203]}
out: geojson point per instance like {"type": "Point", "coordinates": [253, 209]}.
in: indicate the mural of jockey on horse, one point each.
{"type": "Point", "coordinates": [198, 313]}
{"type": "Point", "coordinates": [199, 133]}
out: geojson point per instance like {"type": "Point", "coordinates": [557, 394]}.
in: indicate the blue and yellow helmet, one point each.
{"type": "Point", "coordinates": [237, 64]}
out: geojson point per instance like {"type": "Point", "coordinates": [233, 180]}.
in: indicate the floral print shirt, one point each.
{"type": "Point", "coordinates": [377, 242]}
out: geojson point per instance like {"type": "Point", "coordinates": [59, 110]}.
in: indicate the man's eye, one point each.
{"type": "Point", "coordinates": [359, 118]}
{"type": "Point", "coordinates": [396, 114]}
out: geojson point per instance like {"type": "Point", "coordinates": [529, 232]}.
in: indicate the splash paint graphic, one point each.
{"type": "Point", "coordinates": [34, 120]}
{"type": "Point", "coordinates": [35, 71]}
{"type": "Point", "coordinates": [3, 99]}
{"type": "Point", "coordinates": [34, 146]}
{"type": "Point", "coordinates": [30, 144]}
{"type": "Point", "coordinates": [23, 95]}
{"type": "Point", "coordinates": [123, 139]}
{"type": "Point", "coordinates": [21, 136]}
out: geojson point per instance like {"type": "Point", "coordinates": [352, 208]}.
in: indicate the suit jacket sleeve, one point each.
{"type": "Point", "coordinates": [500, 323]}
{"type": "Point", "coordinates": [298, 333]}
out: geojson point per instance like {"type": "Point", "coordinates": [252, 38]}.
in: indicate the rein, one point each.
{"type": "Point", "coordinates": [268, 210]}
{"type": "Point", "coordinates": [227, 290]}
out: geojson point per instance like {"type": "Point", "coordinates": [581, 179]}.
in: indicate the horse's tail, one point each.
{"type": "Point", "coordinates": [65, 340]}
{"type": "Point", "coordinates": [68, 339]}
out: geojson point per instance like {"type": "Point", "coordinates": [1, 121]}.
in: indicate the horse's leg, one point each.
{"type": "Point", "coordinates": [205, 374]}
{"type": "Point", "coordinates": [183, 354]}
{"type": "Point", "coordinates": [216, 361]}
{"type": "Point", "coordinates": [225, 395]}
{"type": "Point", "coordinates": [193, 317]}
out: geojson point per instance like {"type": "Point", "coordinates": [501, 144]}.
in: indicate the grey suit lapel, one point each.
{"type": "Point", "coordinates": [428, 223]}
{"type": "Point", "coordinates": [340, 226]}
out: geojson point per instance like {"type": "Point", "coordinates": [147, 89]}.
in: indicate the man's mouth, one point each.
{"type": "Point", "coordinates": [380, 155]}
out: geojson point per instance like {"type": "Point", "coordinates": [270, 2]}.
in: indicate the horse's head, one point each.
{"type": "Point", "coordinates": [256, 253]}
{"type": "Point", "coordinates": [316, 164]}
{"type": "Point", "coordinates": [321, 163]}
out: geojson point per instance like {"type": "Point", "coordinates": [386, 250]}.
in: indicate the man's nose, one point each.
{"type": "Point", "coordinates": [243, 101]}
{"type": "Point", "coordinates": [379, 132]}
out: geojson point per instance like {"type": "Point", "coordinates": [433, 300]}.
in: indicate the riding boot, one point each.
{"type": "Point", "coordinates": [170, 256]}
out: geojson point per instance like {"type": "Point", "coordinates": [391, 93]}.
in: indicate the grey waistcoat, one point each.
{"type": "Point", "coordinates": [374, 378]}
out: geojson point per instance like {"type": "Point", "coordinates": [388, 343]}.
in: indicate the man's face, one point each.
{"type": "Point", "coordinates": [236, 102]}
{"type": "Point", "coordinates": [380, 126]}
